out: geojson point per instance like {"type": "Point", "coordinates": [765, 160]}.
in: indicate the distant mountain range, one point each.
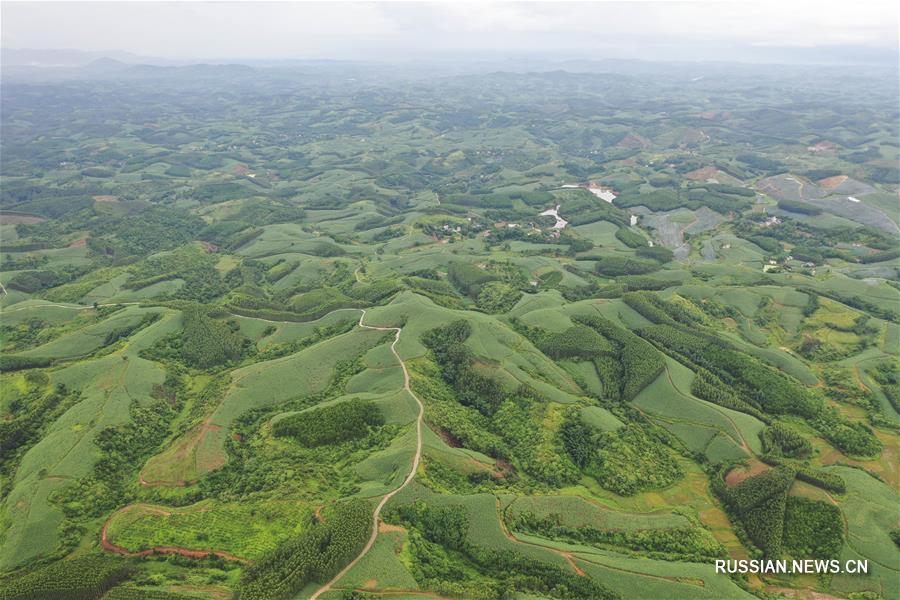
{"type": "Point", "coordinates": [67, 58]}
{"type": "Point", "coordinates": [78, 64]}
{"type": "Point", "coordinates": [69, 64]}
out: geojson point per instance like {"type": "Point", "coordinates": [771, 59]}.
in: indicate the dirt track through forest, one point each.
{"type": "Point", "coordinates": [412, 472]}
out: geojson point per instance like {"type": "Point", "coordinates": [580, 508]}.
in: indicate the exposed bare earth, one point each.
{"type": "Point", "coordinates": [446, 437]}
{"type": "Point", "coordinates": [188, 552]}
{"type": "Point", "coordinates": [739, 474]}
{"type": "Point", "coordinates": [702, 174]}
{"type": "Point", "coordinates": [186, 449]}
{"type": "Point", "coordinates": [830, 182]}
{"type": "Point", "coordinates": [8, 219]}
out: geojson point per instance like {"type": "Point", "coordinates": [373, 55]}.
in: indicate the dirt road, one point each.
{"type": "Point", "coordinates": [412, 472]}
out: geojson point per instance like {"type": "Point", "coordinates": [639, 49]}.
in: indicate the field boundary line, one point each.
{"type": "Point", "coordinates": [33, 306]}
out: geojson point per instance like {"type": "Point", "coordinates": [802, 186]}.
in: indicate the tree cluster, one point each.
{"type": "Point", "coordinates": [331, 425]}
{"type": "Point", "coordinates": [315, 555]}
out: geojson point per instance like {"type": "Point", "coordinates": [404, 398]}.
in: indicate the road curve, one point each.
{"type": "Point", "coordinates": [412, 472]}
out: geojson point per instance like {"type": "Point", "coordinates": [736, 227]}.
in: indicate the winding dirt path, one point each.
{"type": "Point", "coordinates": [567, 556]}
{"type": "Point", "coordinates": [412, 472]}
{"type": "Point", "coordinates": [389, 593]}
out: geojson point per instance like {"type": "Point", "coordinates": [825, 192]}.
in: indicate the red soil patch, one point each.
{"type": "Point", "coordinates": [632, 141]}
{"type": "Point", "coordinates": [241, 169]}
{"type": "Point", "coordinates": [477, 465]}
{"type": "Point", "coordinates": [211, 248]}
{"type": "Point", "coordinates": [819, 147]}
{"type": "Point", "coordinates": [172, 483]}
{"type": "Point", "coordinates": [388, 528]}
{"type": "Point", "coordinates": [446, 436]}
{"type": "Point", "coordinates": [599, 187]}
{"type": "Point", "coordinates": [833, 182]}
{"type": "Point", "coordinates": [505, 467]}
{"type": "Point", "coordinates": [190, 444]}
{"type": "Point", "coordinates": [702, 174]}
{"type": "Point", "coordinates": [858, 378]}
{"type": "Point", "coordinates": [739, 474]}
{"type": "Point", "coordinates": [106, 198]}
{"type": "Point", "coordinates": [78, 243]}
{"type": "Point", "coordinates": [109, 546]}
{"type": "Point", "coordinates": [8, 219]}
{"type": "Point", "coordinates": [578, 570]}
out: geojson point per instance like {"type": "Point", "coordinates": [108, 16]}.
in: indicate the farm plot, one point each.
{"type": "Point", "coordinates": [67, 452]}
{"type": "Point", "coordinates": [575, 511]}
{"type": "Point", "coordinates": [648, 579]}
{"type": "Point", "coordinates": [259, 385]}
{"type": "Point", "coordinates": [871, 512]}
{"type": "Point", "coordinates": [83, 341]}
{"type": "Point", "coordinates": [669, 400]}
{"type": "Point", "coordinates": [512, 355]}
{"type": "Point", "coordinates": [246, 529]}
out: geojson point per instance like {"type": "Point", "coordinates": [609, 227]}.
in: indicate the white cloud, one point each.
{"type": "Point", "coordinates": [411, 29]}
{"type": "Point", "coordinates": [773, 21]}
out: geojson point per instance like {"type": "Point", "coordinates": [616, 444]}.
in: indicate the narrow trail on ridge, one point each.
{"type": "Point", "coordinates": [412, 472]}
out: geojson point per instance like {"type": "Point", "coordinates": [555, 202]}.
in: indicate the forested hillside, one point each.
{"type": "Point", "coordinates": [343, 332]}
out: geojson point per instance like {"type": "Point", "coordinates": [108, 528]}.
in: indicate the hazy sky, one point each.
{"type": "Point", "coordinates": [673, 29]}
